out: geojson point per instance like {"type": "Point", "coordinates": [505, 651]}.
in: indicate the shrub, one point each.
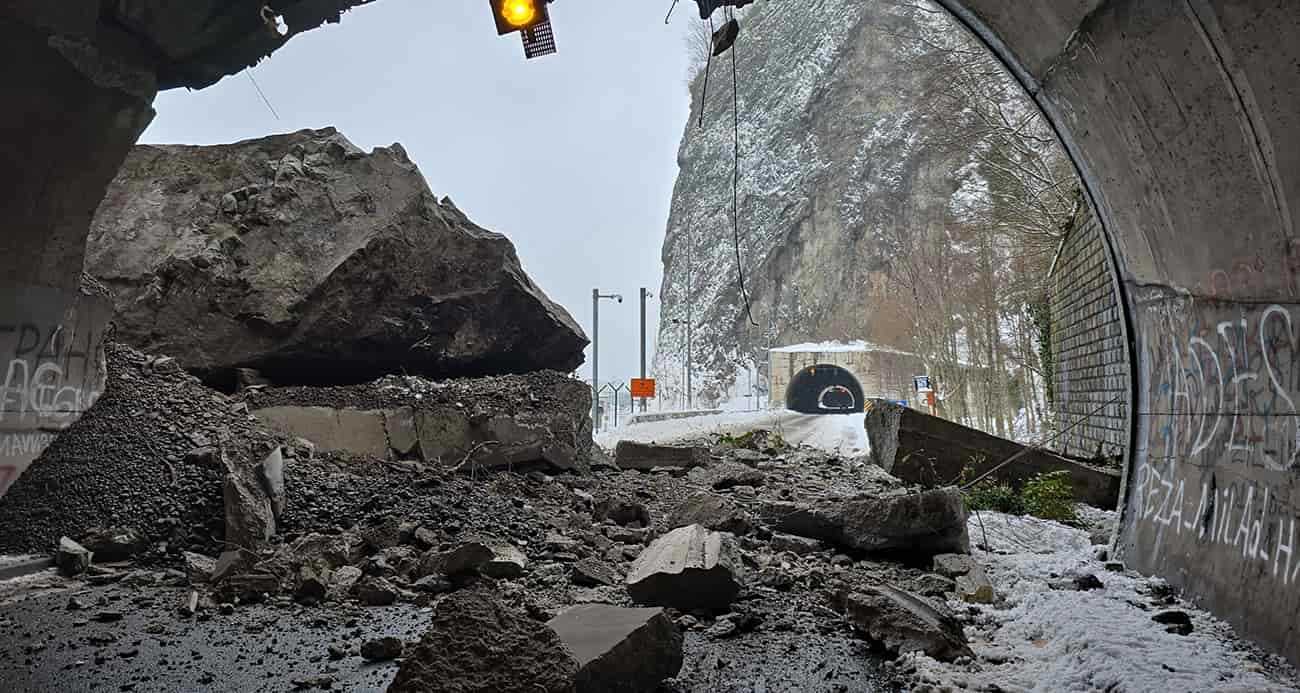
{"type": "Point", "coordinates": [987, 495]}
{"type": "Point", "coordinates": [1051, 497]}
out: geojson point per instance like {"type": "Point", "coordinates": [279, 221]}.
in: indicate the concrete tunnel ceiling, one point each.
{"type": "Point", "coordinates": [813, 390]}
{"type": "Point", "coordinates": [1181, 117]}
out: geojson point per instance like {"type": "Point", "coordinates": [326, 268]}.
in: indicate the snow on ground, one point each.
{"type": "Point", "coordinates": [838, 433]}
{"type": "Point", "coordinates": [1062, 640]}
{"type": "Point", "coordinates": [839, 347]}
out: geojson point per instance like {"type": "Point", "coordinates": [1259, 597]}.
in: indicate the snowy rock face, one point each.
{"type": "Point", "coordinates": [832, 164]}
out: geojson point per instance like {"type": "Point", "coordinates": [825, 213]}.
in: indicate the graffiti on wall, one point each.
{"type": "Point", "coordinates": [51, 369]}
{"type": "Point", "coordinates": [1219, 435]}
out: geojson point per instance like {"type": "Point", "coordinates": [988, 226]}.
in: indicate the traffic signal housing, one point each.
{"type": "Point", "coordinates": [531, 19]}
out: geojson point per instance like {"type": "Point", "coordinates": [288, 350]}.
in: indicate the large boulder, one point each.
{"type": "Point", "coordinates": [687, 568]}
{"type": "Point", "coordinates": [477, 644]}
{"type": "Point", "coordinates": [620, 650]}
{"type": "Point", "coordinates": [307, 259]}
{"type": "Point", "coordinates": [918, 523]}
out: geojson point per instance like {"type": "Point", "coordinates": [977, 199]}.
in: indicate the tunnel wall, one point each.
{"type": "Point", "coordinates": [1090, 375]}
{"type": "Point", "coordinates": [885, 374]}
{"type": "Point", "coordinates": [1181, 116]}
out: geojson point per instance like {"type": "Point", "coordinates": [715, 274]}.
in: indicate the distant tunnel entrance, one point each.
{"type": "Point", "coordinates": [824, 389]}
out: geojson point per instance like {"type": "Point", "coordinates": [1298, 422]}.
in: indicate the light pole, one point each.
{"type": "Point", "coordinates": [595, 352]}
{"type": "Point", "coordinates": [645, 293]}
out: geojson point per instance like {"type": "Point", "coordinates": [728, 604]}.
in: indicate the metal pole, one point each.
{"type": "Point", "coordinates": [595, 357]}
{"type": "Point", "coordinates": [690, 270]}
{"type": "Point", "coordinates": [644, 293]}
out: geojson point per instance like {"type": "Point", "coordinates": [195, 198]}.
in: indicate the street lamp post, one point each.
{"type": "Point", "coordinates": [645, 293]}
{"type": "Point", "coordinates": [595, 352]}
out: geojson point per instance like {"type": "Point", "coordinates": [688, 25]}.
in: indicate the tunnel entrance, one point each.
{"type": "Point", "coordinates": [824, 389]}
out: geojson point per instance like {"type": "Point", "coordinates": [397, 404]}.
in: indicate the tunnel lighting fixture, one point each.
{"type": "Point", "coordinates": [531, 19]}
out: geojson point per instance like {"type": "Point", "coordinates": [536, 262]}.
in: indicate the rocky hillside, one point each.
{"type": "Point", "coordinates": [313, 262]}
{"type": "Point", "coordinates": [832, 165]}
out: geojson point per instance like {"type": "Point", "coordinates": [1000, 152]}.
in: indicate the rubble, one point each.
{"type": "Point", "coordinates": [975, 587]}
{"type": "Point", "coordinates": [382, 649]}
{"type": "Point", "coordinates": [475, 644]}
{"type": "Point", "coordinates": [688, 568]}
{"type": "Point", "coordinates": [619, 650]}
{"type": "Point", "coordinates": [507, 562]}
{"type": "Point", "coordinates": [906, 623]}
{"type": "Point", "coordinates": [514, 422]}
{"type": "Point", "coordinates": [309, 260]}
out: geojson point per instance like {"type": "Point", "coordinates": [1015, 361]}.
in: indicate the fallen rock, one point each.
{"type": "Point", "coordinates": [327, 551]}
{"type": "Point", "coordinates": [925, 522]}
{"type": "Point", "coordinates": [622, 511]}
{"type": "Point", "coordinates": [590, 572]}
{"type": "Point", "coordinates": [507, 563]}
{"type": "Point", "coordinates": [342, 581]}
{"type": "Point", "coordinates": [729, 474]}
{"type": "Point", "coordinates": [468, 557]}
{"type": "Point", "coordinates": [249, 587]}
{"type": "Point", "coordinates": [250, 524]}
{"type": "Point", "coordinates": [375, 591]}
{"type": "Point", "coordinates": [310, 586]}
{"type": "Point", "coordinates": [270, 471]}
{"type": "Point", "coordinates": [318, 261]}
{"type": "Point", "coordinates": [647, 456]}
{"type": "Point", "coordinates": [620, 650]}
{"type": "Point", "coordinates": [687, 568]}
{"type": "Point", "coordinates": [477, 644]}
{"type": "Point", "coordinates": [1175, 621]}
{"type": "Point", "coordinates": [953, 564]}
{"type": "Point", "coordinates": [713, 512]}
{"type": "Point", "coordinates": [916, 523]}
{"type": "Point", "coordinates": [112, 545]}
{"type": "Point", "coordinates": [72, 558]}
{"type": "Point", "coordinates": [1087, 582]}
{"type": "Point", "coordinates": [382, 649]}
{"type": "Point", "coordinates": [198, 568]}
{"type": "Point", "coordinates": [906, 623]}
{"type": "Point", "coordinates": [795, 544]}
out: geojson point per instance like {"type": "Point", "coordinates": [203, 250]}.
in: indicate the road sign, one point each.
{"type": "Point", "coordinates": [643, 387]}
{"type": "Point", "coordinates": [921, 382]}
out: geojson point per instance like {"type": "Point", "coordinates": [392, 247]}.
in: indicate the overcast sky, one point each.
{"type": "Point", "coordinates": [572, 156]}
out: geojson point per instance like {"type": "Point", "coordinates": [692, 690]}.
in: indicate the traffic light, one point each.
{"type": "Point", "coordinates": [531, 19]}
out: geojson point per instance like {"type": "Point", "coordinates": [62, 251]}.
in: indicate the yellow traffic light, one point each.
{"type": "Point", "coordinates": [519, 13]}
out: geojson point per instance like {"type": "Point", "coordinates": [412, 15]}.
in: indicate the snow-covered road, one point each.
{"type": "Point", "coordinates": [839, 433]}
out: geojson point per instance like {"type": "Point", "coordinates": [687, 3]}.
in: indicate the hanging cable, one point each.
{"type": "Point", "coordinates": [735, 181]}
{"type": "Point", "coordinates": [670, 11]}
{"type": "Point", "coordinates": [261, 94]}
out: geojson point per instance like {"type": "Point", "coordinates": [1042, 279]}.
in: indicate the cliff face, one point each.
{"type": "Point", "coordinates": [832, 167]}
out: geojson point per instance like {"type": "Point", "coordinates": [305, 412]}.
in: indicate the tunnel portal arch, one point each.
{"type": "Point", "coordinates": [811, 390]}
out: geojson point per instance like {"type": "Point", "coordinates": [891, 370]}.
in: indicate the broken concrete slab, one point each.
{"type": "Point", "coordinates": [476, 643]}
{"type": "Point", "coordinates": [620, 650]}
{"type": "Point", "coordinates": [646, 456]}
{"type": "Point", "coordinates": [687, 568]}
{"type": "Point", "coordinates": [906, 623]}
{"type": "Point", "coordinates": [930, 451]}
{"type": "Point", "coordinates": [356, 431]}
{"type": "Point", "coordinates": [250, 524]}
{"type": "Point", "coordinates": [270, 471]}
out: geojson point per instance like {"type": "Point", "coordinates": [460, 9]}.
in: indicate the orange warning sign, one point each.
{"type": "Point", "coordinates": [643, 387]}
